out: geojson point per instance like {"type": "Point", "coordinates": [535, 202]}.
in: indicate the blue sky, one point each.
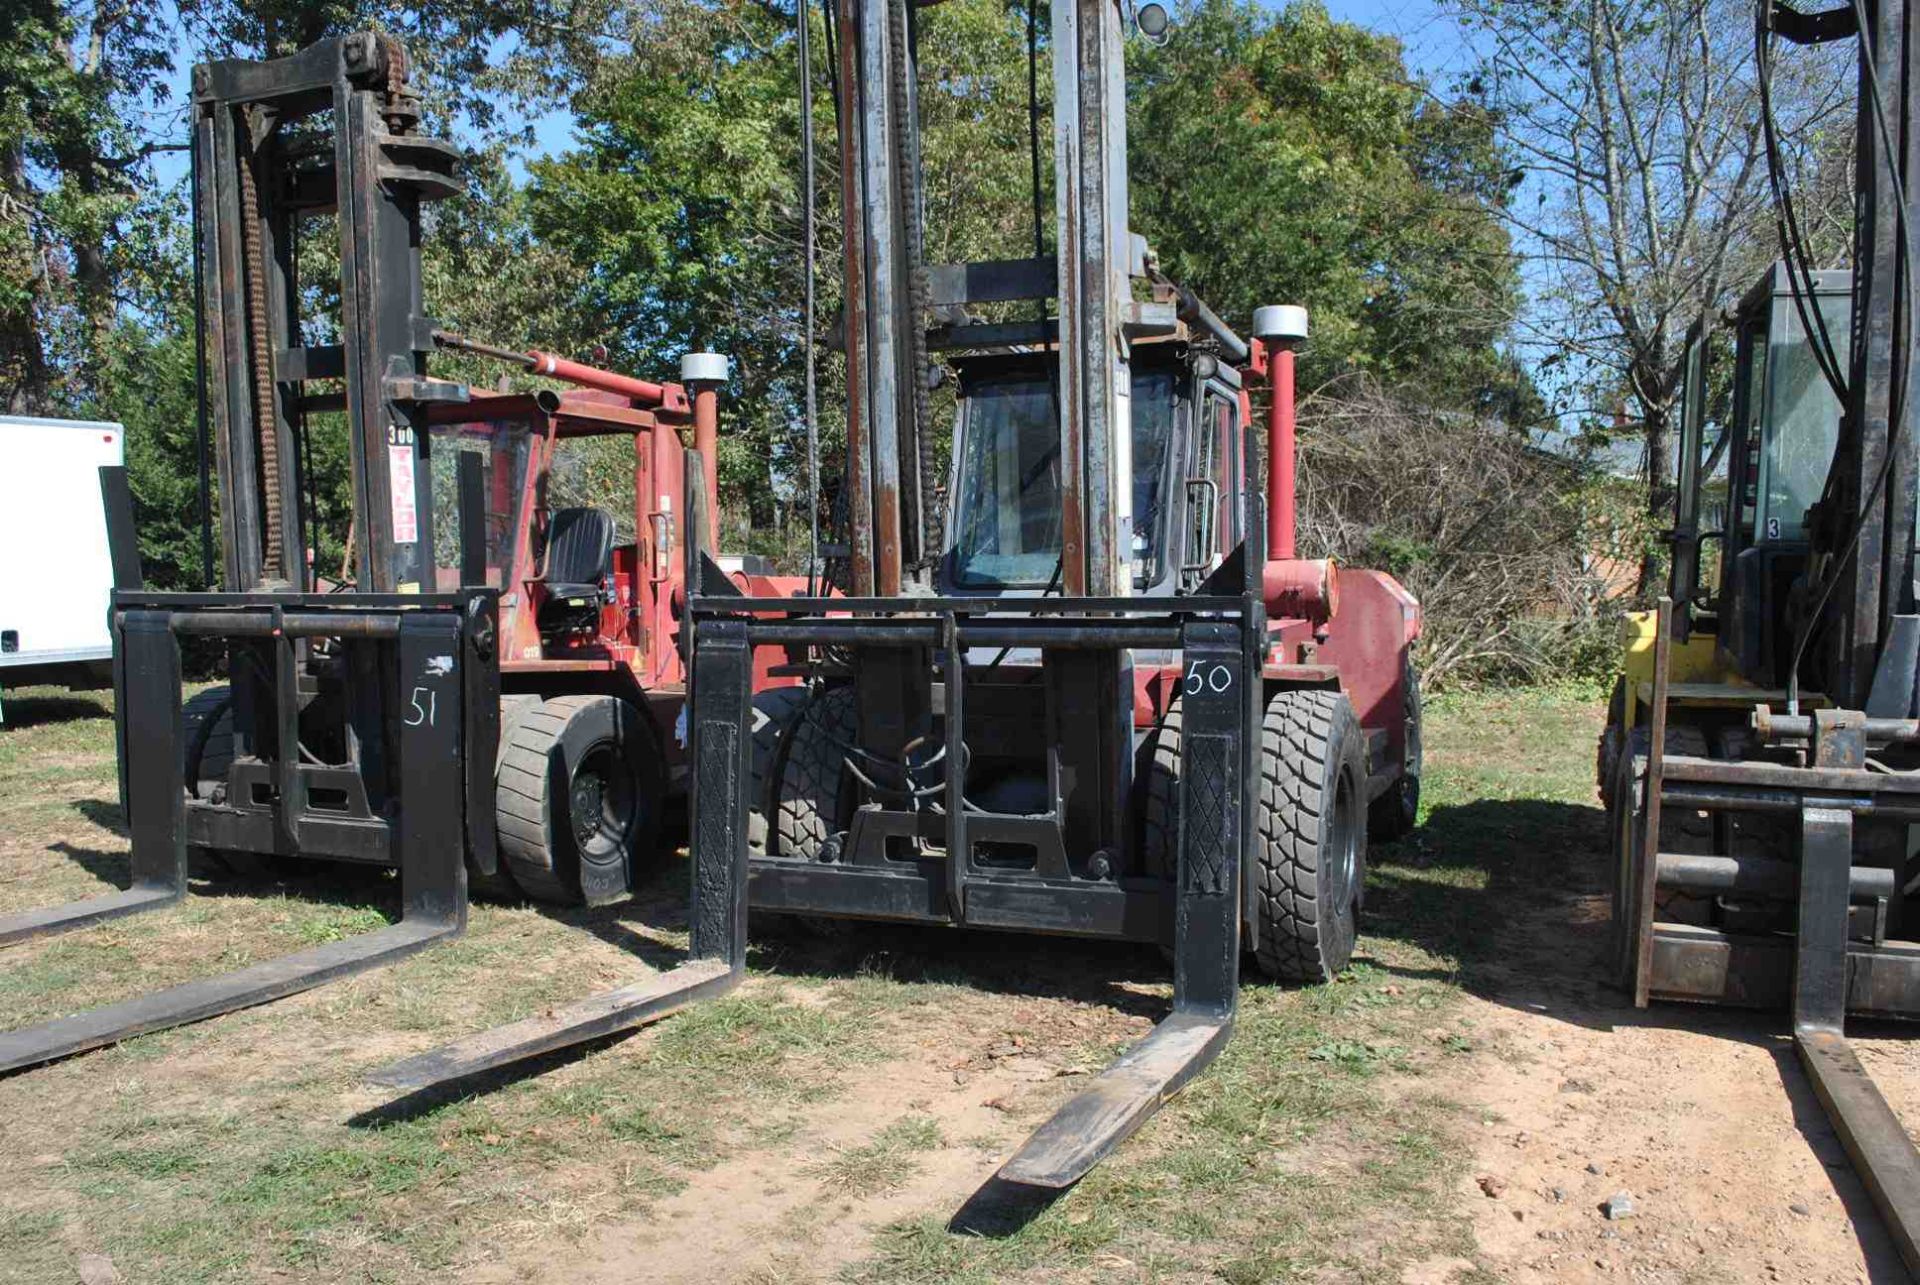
{"type": "Point", "coordinates": [1432, 40]}
{"type": "Point", "coordinates": [1434, 46]}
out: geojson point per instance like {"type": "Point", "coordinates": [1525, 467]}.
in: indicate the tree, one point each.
{"type": "Point", "coordinates": [96, 301]}
{"type": "Point", "coordinates": [683, 193]}
{"type": "Point", "coordinates": [1638, 126]}
{"type": "Point", "coordinates": [1287, 158]}
{"type": "Point", "coordinates": [1274, 158]}
{"type": "Point", "coordinates": [72, 168]}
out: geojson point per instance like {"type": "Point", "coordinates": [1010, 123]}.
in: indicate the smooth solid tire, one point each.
{"type": "Point", "coordinates": [577, 799]}
{"type": "Point", "coordinates": [1395, 813]}
{"type": "Point", "coordinates": [500, 885]}
{"type": "Point", "coordinates": [1613, 737]}
{"type": "Point", "coordinates": [1682, 830]}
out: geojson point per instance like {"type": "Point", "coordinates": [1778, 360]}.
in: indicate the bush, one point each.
{"type": "Point", "coordinates": [1498, 538]}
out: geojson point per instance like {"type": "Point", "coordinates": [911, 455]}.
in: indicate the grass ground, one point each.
{"type": "Point", "coordinates": [1327, 1143]}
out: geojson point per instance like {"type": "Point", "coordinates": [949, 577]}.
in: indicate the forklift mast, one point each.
{"type": "Point", "coordinates": [359, 726]}
{"type": "Point", "coordinates": [1860, 628]}
{"type": "Point", "coordinates": [333, 129]}
{"type": "Point", "coordinates": [1762, 813]}
{"type": "Point", "coordinates": [895, 538]}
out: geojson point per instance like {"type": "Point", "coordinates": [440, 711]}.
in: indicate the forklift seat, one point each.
{"type": "Point", "coordinates": [579, 557]}
{"type": "Point", "coordinates": [579, 551]}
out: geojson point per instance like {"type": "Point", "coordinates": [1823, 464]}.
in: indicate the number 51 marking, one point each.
{"type": "Point", "coordinates": [423, 713]}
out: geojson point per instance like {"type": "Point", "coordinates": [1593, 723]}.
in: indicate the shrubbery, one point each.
{"type": "Point", "coordinates": [1506, 544]}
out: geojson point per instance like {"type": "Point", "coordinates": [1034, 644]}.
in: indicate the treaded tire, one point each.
{"type": "Point", "coordinates": [813, 794]}
{"type": "Point", "coordinates": [205, 764]}
{"type": "Point", "coordinates": [1158, 771]}
{"type": "Point", "coordinates": [216, 750]}
{"type": "Point", "coordinates": [1308, 908]}
{"type": "Point", "coordinates": [577, 799]}
{"type": "Point", "coordinates": [1394, 814]}
{"type": "Point", "coordinates": [808, 790]}
{"type": "Point", "coordinates": [1311, 855]}
{"type": "Point", "coordinates": [771, 718]}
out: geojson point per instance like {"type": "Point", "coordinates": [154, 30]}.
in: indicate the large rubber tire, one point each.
{"type": "Point", "coordinates": [772, 718]}
{"type": "Point", "coordinates": [500, 885]}
{"type": "Point", "coordinates": [206, 750]}
{"type": "Point", "coordinates": [1606, 755]}
{"type": "Point", "coordinates": [1157, 773]}
{"type": "Point", "coordinates": [1395, 813]}
{"type": "Point", "coordinates": [808, 791]}
{"type": "Point", "coordinates": [1311, 854]}
{"type": "Point", "coordinates": [206, 740]}
{"type": "Point", "coordinates": [814, 791]}
{"type": "Point", "coordinates": [578, 798]}
{"type": "Point", "coordinates": [1681, 830]}
{"type": "Point", "coordinates": [1311, 751]}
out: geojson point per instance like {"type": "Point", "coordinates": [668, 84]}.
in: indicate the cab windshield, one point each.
{"type": "Point", "coordinates": [504, 448]}
{"type": "Point", "coordinates": [1007, 521]}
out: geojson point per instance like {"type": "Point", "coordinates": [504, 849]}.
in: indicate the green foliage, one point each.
{"type": "Point", "coordinates": [71, 167]}
{"type": "Point", "coordinates": [1507, 547]}
{"type": "Point", "coordinates": [162, 452]}
{"type": "Point", "coordinates": [683, 196]}
{"type": "Point", "coordinates": [1275, 157]}
{"type": "Point", "coordinates": [1288, 158]}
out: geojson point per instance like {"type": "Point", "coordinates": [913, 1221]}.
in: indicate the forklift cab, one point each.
{"type": "Point", "coordinates": [542, 551]}
{"type": "Point", "coordinates": [1186, 455]}
{"type": "Point", "coordinates": [569, 480]}
{"type": "Point", "coordinates": [1776, 445]}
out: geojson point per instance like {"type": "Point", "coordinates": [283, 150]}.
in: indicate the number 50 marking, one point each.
{"type": "Point", "coordinates": [1208, 678]}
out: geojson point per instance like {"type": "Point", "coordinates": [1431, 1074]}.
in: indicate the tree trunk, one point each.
{"type": "Point", "coordinates": [23, 366]}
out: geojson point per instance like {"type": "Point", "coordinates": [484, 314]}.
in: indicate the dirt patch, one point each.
{"type": "Point", "coordinates": [907, 1137]}
{"type": "Point", "coordinates": [1700, 1117]}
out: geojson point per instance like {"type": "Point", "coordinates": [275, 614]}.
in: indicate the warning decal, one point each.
{"type": "Point", "coordinates": [406, 516]}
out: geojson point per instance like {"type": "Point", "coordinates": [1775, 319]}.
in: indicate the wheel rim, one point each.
{"type": "Point", "coordinates": [601, 802]}
{"type": "Point", "coordinates": [1346, 863]}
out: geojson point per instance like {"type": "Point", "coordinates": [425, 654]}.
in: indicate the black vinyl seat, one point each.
{"type": "Point", "coordinates": [579, 551]}
{"type": "Point", "coordinates": [579, 558]}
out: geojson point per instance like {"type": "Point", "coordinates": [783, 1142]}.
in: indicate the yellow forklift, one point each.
{"type": "Point", "coordinates": [1762, 763]}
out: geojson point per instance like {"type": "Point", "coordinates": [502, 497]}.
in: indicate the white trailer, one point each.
{"type": "Point", "coordinates": [56, 575]}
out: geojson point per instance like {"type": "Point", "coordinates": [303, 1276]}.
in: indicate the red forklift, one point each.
{"type": "Point", "coordinates": [492, 692]}
{"type": "Point", "coordinates": [582, 544]}
{"type": "Point", "coordinates": [1097, 694]}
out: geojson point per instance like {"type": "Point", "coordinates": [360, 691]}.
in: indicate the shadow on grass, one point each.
{"type": "Point", "coordinates": [998, 1209]}
{"type": "Point", "coordinates": [420, 1103]}
{"type": "Point", "coordinates": [107, 816]}
{"type": "Point", "coordinates": [1516, 891]}
{"type": "Point", "coordinates": [24, 711]}
{"type": "Point", "coordinates": [1087, 971]}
